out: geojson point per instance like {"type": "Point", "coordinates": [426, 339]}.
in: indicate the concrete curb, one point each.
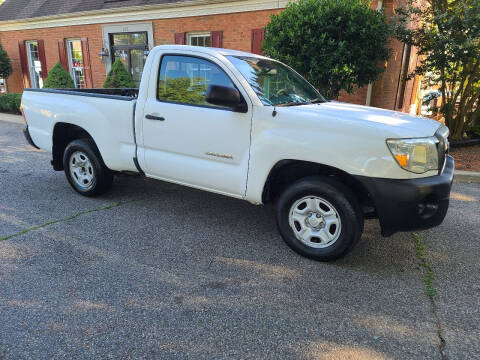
{"type": "Point", "coordinates": [18, 119]}
{"type": "Point", "coordinates": [467, 176]}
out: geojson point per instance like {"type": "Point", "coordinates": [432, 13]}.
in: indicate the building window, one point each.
{"type": "Point", "coordinates": [34, 64]}
{"type": "Point", "coordinates": [75, 62]}
{"type": "Point", "coordinates": [199, 39]}
{"type": "Point", "coordinates": [3, 85]}
{"type": "Point", "coordinates": [132, 50]}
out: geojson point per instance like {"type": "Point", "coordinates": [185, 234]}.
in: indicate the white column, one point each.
{"type": "Point", "coordinates": [370, 86]}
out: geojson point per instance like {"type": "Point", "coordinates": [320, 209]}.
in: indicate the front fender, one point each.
{"type": "Point", "coordinates": [349, 146]}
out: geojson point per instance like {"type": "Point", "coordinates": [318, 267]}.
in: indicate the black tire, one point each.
{"type": "Point", "coordinates": [347, 210]}
{"type": "Point", "coordinates": [102, 177]}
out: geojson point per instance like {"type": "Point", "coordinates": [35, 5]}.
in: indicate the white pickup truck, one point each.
{"type": "Point", "coordinates": [250, 127]}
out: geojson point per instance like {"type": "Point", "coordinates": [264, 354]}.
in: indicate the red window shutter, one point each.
{"type": "Point", "coordinates": [62, 54]}
{"type": "Point", "coordinates": [257, 38]}
{"type": "Point", "coordinates": [180, 38]}
{"type": "Point", "coordinates": [24, 64]}
{"type": "Point", "coordinates": [217, 39]}
{"type": "Point", "coordinates": [43, 60]}
{"type": "Point", "coordinates": [86, 63]}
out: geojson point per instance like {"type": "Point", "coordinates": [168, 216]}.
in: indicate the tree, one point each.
{"type": "Point", "coordinates": [448, 39]}
{"type": "Point", "coordinates": [335, 44]}
{"type": "Point", "coordinates": [58, 78]}
{"type": "Point", "coordinates": [118, 77]}
{"type": "Point", "coordinates": [5, 64]}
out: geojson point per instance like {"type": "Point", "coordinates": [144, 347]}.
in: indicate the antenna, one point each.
{"type": "Point", "coordinates": [274, 113]}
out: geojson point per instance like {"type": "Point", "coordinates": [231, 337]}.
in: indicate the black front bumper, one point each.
{"type": "Point", "coordinates": [414, 204]}
{"type": "Point", "coordinates": [28, 137]}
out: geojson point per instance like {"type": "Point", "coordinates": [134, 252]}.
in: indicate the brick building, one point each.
{"type": "Point", "coordinates": [87, 36]}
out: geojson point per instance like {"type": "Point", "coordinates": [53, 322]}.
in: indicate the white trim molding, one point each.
{"type": "Point", "coordinates": [183, 8]}
{"type": "Point", "coordinates": [368, 100]}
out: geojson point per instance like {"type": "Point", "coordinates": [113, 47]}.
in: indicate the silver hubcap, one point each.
{"type": "Point", "coordinates": [315, 222]}
{"type": "Point", "coordinates": [81, 170]}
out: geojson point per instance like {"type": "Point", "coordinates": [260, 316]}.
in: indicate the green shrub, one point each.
{"type": "Point", "coordinates": [58, 78]}
{"type": "Point", "coordinates": [5, 64]}
{"type": "Point", "coordinates": [10, 103]}
{"type": "Point", "coordinates": [335, 44]}
{"type": "Point", "coordinates": [475, 130]}
{"type": "Point", "coordinates": [118, 77]}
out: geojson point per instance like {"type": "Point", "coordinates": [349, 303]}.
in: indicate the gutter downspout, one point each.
{"type": "Point", "coordinates": [370, 85]}
{"type": "Point", "coordinates": [400, 84]}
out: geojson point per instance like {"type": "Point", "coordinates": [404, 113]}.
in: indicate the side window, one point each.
{"type": "Point", "coordinates": [75, 60]}
{"type": "Point", "coordinates": [185, 79]}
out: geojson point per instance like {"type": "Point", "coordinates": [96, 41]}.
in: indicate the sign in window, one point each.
{"type": "Point", "coordinates": [75, 62]}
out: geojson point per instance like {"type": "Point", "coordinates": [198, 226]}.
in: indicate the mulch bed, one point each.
{"type": "Point", "coordinates": [467, 158]}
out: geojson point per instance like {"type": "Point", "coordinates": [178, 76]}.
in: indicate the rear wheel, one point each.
{"type": "Point", "coordinates": [319, 218]}
{"type": "Point", "coordinates": [84, 168]}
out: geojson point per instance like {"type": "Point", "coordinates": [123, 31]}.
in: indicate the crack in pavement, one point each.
{"type": "Point", "coordinates": [37, 227]}
{"type": "Point", "coordinates": [430, 290]}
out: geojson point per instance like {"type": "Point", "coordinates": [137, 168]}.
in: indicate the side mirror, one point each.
{"type": "Point", "coordinates": [226, 96]}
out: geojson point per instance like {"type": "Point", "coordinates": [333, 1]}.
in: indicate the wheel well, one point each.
{"type": "Point", "coordinates": [286, 172]}
{"type": "Point", "coordinates": [63, 134]}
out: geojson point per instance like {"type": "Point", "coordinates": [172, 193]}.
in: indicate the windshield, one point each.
{"type": "Point", "coordinates": [274, 82]}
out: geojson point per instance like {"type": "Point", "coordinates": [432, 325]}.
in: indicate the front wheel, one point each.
{"type": "Point", "coordinates": [319, 218]}
{"type": "Point", "coordinates": [84, 168]}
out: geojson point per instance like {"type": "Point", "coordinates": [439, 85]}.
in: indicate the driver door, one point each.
{"type": "Point", "coordinates": [188, 141]}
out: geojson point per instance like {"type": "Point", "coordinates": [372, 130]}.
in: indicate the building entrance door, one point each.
{"type": "Point", "coordinates": [131, 49]}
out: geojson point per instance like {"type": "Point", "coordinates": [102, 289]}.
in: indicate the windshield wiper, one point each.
{"type": "Point", "coordinates": [294, 103]}
{"type": "Point", "coordinates": [318, 101]}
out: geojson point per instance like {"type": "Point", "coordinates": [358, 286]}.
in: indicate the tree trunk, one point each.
{"type": "Point", "coordinates": [476, 114]}
{"type": "Point", "coordinates": [459, 127]}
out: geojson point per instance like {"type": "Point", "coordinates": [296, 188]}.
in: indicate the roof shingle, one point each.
{"type": "Point", "coordinates": [26, 9]}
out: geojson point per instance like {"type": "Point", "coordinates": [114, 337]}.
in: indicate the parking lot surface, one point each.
{"type": "Point", "coordinates": [158, 271]}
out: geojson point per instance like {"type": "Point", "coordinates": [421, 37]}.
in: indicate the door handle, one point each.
{"type": "Point", "coordinates": [153, 117]}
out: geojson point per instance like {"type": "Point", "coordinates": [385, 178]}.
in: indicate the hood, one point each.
{"type": "Point", "coordinates": [393, 123]}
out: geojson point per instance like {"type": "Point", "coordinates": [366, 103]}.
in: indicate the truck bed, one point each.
{"type": "Point", "coordinates": [119, 94]}
{"type": "Point", "coordinates": [107, 115]}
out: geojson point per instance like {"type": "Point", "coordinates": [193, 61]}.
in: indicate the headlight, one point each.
{"type": "Point", "coordinates": [415, 155]}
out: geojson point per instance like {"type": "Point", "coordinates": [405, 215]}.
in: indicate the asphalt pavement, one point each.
{"type": "Point", "coordinates": [153, 270]}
